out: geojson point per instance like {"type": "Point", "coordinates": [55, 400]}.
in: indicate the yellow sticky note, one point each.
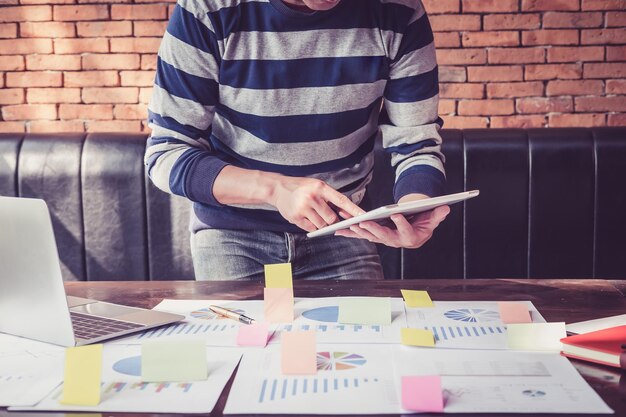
{"type": "Point", "coordinates": [83, 374]}
{"type": "Point", "coordinates": [417, 337]}
{"type": "Point", "coordinates": [365, 310]}
{"type": "Point", "coordinates": [278, 304]}
{"type": "Point", "coordinates": [414, 298]}
{"type": "Point", "coordinates": [278, 276]}
{"type": "Point", "coordinates": [174, 361]}
{"type": "Point", "coordinates": [298, 353]}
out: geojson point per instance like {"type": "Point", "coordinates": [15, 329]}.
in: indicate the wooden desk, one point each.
{"type": "Point", "coordinates": [557, 300]}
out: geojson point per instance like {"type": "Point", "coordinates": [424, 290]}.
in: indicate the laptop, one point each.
{"type": "Point", "coordinates": [33, 303]}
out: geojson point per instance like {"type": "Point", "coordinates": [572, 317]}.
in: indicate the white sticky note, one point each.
{"type": "Point", "coordinates": [535, 336]}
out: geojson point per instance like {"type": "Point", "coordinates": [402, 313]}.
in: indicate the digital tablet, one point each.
{"type": "Point", "coordinates": [384, 212]}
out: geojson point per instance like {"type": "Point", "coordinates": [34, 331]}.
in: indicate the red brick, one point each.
{"type": "Point", "coordinates": [447, 40]}
{"type": "Point", "coordinates": [12, 63]}
{"type": "Point", "coordinates": [575, 53]}
{"type": "Point", "coordinates": [91, 79]}
{"type": "Point", "coordinates": [603, 36]}
{"type": "Point", "coordinates": [516, 55]}
{"type": "Point", "coordinates": [485, 107]}
{"type": "Point", "coordinates": [44, 2]}
{"type": "Point", "coordinates": [490, 6]}
{"type": "Point", "coordinates": [114, 126]}
{"type": "Point", "coordinates": [572, 20]}
{"type": "Point", "coordinates": [616, 53]}
{"type": "Point", "coordinates": [148, 62]}
{"type": "Point", "coordinates": [577, 120]}
{"type": "Point", "coordinates": [53, 95]}
{"type": "Point", "coordinates": [464, 122]}
{"type": "Point", "coordinates": [137, 78]}
{"type": "Point", "coordinates": [514, 90]}
{"type": "Point", "coordinates": [461, 90]}
{"type": "Point", "coordinates": [130, 112]}
{"type": "Point", "coordinates": [603, 4]}
{"type": "Point", "coordinates": [56, 126]}
{"type": "Point", "coordinates": [140, 45]}
{"type": "Point", "coordinates": [79, 46]}
{"type": "Point", "coordinates": [550, 37]}
{"type": "Point", "coordinates": [111, 61]}
{"type": "Point", "coordinates": [518, 121]}
{"type": "Point", "coordinates": [545, 5]}
{"type": "Point", "coordinates": [11, 96]}
{"type": "Point", "coordinates": [461, 56]}
{"type": "Point", "coordinates": [616, 86]}
{"type": "Point", "coordinates": [449, 22]}
{"type": "Point", "coordinates": [81, 13]}
{"type": "Point", "coordinates": [607, 70]}
{"type": "Point", "coordinates": [553, 72]}
{"type": "Point", "coordinates": [491, 38]}
{"type": "Point", "coordinates": [601, 104]}
{"type": "Point", "coordinates": [452, 74]}
{"type": "Point", "coordinates": [447, 106]}
{"type": "Point", "coordinates": [110, 95]}
{"type": "Point", "coordinates": [1, 79]}
{"type": "Point", "coordinates": [146, 28]}
{"type": "Point", "coordinates": [8, 30]}
{"type": "Point", "coordinates": [495, 73]}
{"type": "Point", "coordinates": [26, 14]}
{"type": "Point", "coordinates": [86, 111]}
{"type": "Point", "coordinates": [53, 62]}
{"type": "Point", "coordinates": [47, 30]}
{"type": "Point", "coordinates": [30, 112]}
{"type": "Point", "coordinates": [12, 127]}
{"type": "Point", "coordinates": [511, 21]}
{"type": "Point", "coordinates": [614, 120]}
{"type": "Point", "coordinates": [545, 105]}
{"type": "Point", "coordinates": [25, 46]}
{"type": "Point", "coordinates": [134, 12]}
{"type": "Point", "coordinates": [442, 6]}
{"type": "Point", "coordinates": [574, 88]}
{"type": "Point", "coordinates": [616, 19]}
{"type": "Point", "coordinates": [34, 79]}
{"type": "Point", "coordinates": [104, 29]}
{"type": "Point", "coordinates": [145, 93]}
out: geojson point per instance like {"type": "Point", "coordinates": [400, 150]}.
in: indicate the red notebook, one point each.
{"type": "Point", "coordinates": [602, 346]}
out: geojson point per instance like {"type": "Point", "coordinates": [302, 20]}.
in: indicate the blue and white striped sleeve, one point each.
{"type": "Point", "coordinates": [178, 155]}
{"type": "Point", "coordinates": [411, 100]}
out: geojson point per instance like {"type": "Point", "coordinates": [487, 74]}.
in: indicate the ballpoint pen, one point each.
{"type": "Point", "coordinates": [231, 314]}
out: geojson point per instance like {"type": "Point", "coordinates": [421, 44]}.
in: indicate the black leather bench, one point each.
{"type": "Point", "coordinates": [552, 205]}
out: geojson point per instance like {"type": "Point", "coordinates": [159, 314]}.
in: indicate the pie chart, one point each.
{"type": "Point", "coordinates": [339, 361]}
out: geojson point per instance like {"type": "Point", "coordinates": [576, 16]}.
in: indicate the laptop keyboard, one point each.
{"type": "Point", "coordinates": [89, 327]}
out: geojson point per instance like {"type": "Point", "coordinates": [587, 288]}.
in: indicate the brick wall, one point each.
{"type": "Point", "coordinates": [88, 65]}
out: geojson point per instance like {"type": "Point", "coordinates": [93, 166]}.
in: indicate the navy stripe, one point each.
{"type": "Point", "coordinates": [293, 170]}
{"type": "Point", "coordinates": [354, 184]}
{"type": "Point", "coordinates": [309, 72]}
{"type": "Point", "coordinates": [184, 85]}
{"type": "Point", "coordinates": [415, 88]}
{"type": "Point", "coordinates": [300, 128]}
{"type": "Point", "coordinates": [185, 27]}
{"type": "Point", "coordinates": [407, 149]}
{"type": "Point", "coordinates": [180, 170]}
{"type": "Point", "coordinates": [172, 124]}
{"type": "Point", "coordinates": [417, 35]}
{"type": "Point", "coordinates": [243, 219]}
{"type": "Point", "coordinates": [349, 14]}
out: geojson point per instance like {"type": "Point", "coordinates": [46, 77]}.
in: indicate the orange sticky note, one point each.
{"type": "Point", "coordinates": [298, 353]}
{"type": "Point", "coordinates": [514, 312]}
{"type": "Point", "coordinates": [83, 372]}
{"type": "Point", "coordinates": [255, 334]}
{"type": "Point", "coordinates": [422, 393]}
{"type": "Point", "coordinates": [278, 304]}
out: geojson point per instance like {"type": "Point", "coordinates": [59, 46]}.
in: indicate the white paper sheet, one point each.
{"type": "Point", "coordinates": [123, 390]}
{"type": "Point", "coordinates": [465, 324]}
{"type": "Point", "coordinates": [597, 324]}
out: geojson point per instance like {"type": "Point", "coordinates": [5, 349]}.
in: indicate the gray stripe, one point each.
{"type": "Point", "coordinates": [305, 44]}
{"type": "Point", "coordinates": [426, 160]}
{"type": "Point", "coordinates": [214, 5]}
{"type": "Point", "coordinates": [413, 114]}
{"type": "Point", "coordinates": [160, 173]}
{"type": "Point", "coordinates": [396, 136]}
{"type": "Point", "coordinates": [160, 131]}
{"type": "Point", "coordinates": [188, 58]}
{"type": "Point", "coordinates": [184, 111]}
{"type": "Point", "coordinates": [294, 154]}
{"type": "Point", "coordinates": [299, 101]}
{"type": "Point", "coordinates": [415, 62]}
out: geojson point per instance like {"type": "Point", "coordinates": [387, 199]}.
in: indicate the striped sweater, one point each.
{"type": "Point", "coordinates": [258, 85]}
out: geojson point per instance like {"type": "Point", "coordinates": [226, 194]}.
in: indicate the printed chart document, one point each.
{"type": "Point", "coordinates": [124, 391]}
{"type": "Point", "coordinates": [465, 324]}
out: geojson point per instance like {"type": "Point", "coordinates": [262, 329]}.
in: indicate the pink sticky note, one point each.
{"type": "Point", "coordinates": [255, 334]}
{"type": "Point", "coordinates": [513, 312]}
{"type": "Point", "coordinates": [278, 303]}
{"type": "Point", "coordinates": [422, 393]}
{"type": "Point", "coordinates": [298, 353]}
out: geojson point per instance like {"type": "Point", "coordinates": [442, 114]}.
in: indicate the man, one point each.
{"type": "Point", "coordinates": [264, 113]}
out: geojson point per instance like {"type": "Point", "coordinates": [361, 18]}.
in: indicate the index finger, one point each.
{"type": "Point", "coordinates": [342, 202]}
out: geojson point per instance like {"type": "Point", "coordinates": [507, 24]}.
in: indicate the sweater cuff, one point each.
{"type": "Point", "coordinates": [201, 177]}
{"type": "Point", "coordinates": [421, 179]}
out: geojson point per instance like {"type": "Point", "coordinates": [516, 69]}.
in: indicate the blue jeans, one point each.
{"type": "Point", "coordinates": [241, 254]}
